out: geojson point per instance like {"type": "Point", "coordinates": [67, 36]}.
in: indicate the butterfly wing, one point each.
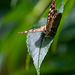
{"type": "Point", "coordinates": [51, 16]}
{"type": "Point", "coordinates": [47, 27]}
{"type": "Point", "coordinates": [41, 29]}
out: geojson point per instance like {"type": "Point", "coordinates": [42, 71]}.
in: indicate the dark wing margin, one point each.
{"type": "Point", "coordinates": [51, 15]}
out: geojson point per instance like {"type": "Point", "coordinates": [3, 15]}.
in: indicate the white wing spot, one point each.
{"type": "Point", "coordinates": [25, 31]}
{"type": "Point", "coordinates": [49, 14]}
{"type": "Point", "coordinates": [50, 9]}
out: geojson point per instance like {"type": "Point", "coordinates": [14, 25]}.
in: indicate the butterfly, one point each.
{"type": "Point", "coordinates": [51, 26]}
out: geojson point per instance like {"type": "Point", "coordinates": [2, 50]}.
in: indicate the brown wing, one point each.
{"type": "Point", "coordinates": [51, 15]}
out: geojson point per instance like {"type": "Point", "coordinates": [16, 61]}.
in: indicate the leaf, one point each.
{"type": "Point", "coordinates": [38, 44]}
{"type": "Point", "coordinates": [39, 49]}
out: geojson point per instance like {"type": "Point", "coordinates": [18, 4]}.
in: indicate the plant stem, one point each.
{"type": "Point", "coordinates": [38, 73]}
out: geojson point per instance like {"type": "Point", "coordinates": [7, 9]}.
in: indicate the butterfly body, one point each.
{"type": "Point", "coordinates": [48, 28]}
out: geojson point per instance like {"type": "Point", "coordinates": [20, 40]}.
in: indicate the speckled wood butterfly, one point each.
{"type": "Point", "coordinates": [51, 26]}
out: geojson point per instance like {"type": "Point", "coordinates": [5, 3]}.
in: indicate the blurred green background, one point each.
{"type": "Point", "coordinates": [21, 15]}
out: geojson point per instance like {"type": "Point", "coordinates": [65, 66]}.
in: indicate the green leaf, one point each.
{"type": "Point", "coordinates": [38, 44]}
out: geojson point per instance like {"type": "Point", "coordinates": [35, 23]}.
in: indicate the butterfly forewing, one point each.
{"type": "Point", "coordinates": [51, 15]}
{"type": "Point", "coordinates": [41, 29]}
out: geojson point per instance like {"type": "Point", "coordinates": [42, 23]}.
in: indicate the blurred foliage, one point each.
{"type": "Point", "coordinates": [20, 15]}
